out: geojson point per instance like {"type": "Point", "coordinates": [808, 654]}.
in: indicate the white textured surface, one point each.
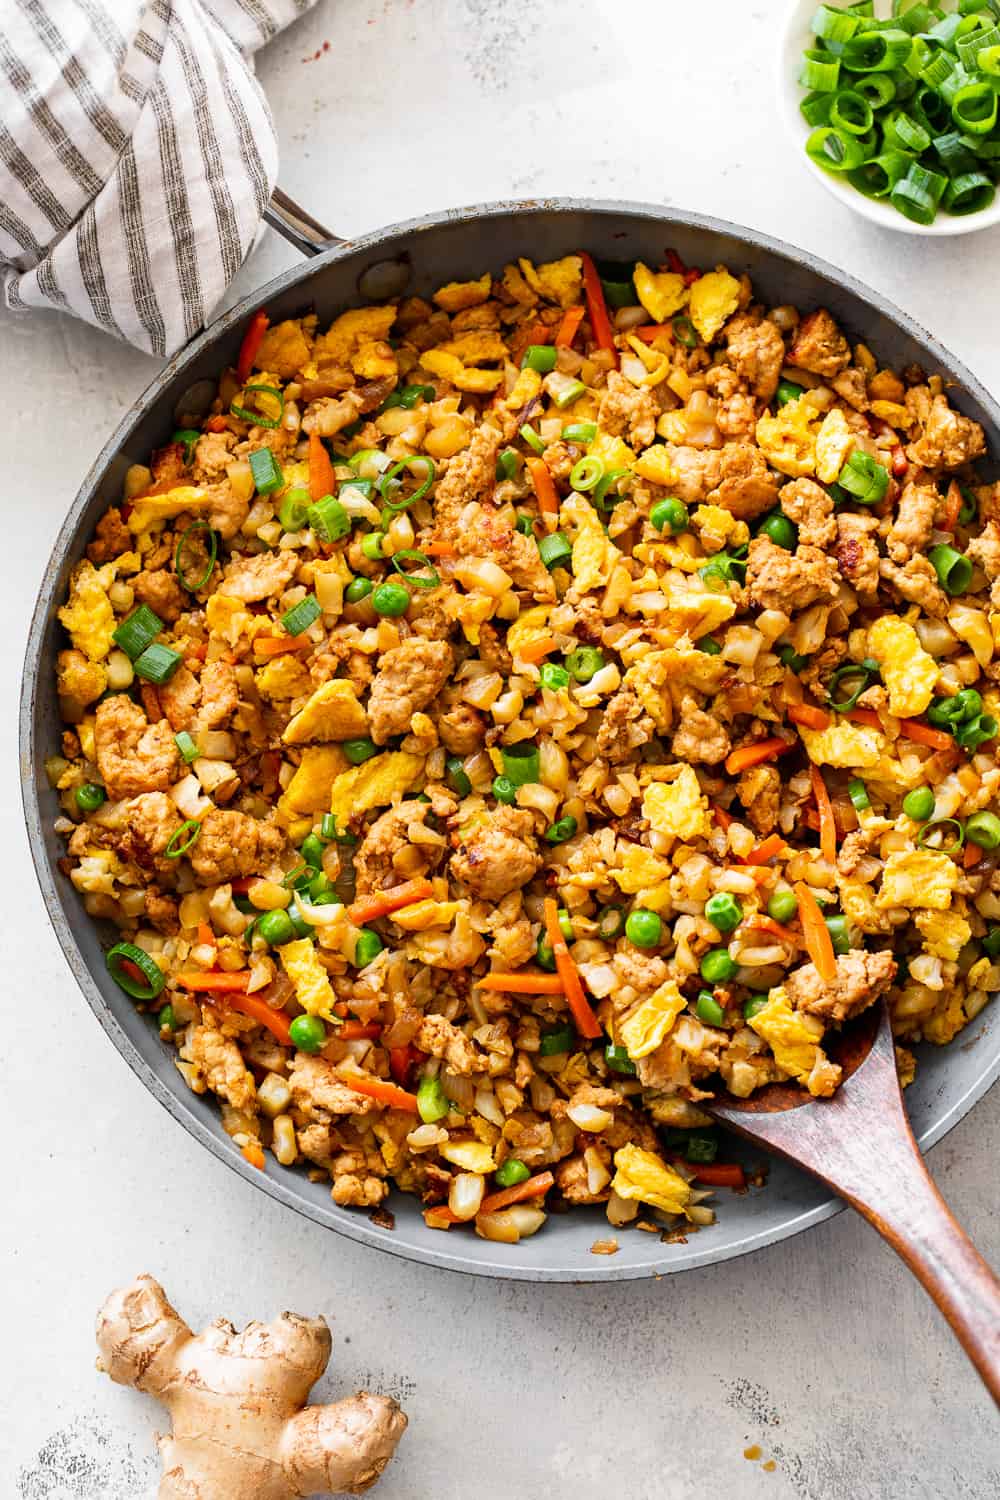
{"type": "Point", "coordinates": [820, 1350]}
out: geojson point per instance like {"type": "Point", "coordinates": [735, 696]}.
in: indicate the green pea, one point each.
{"type": "Point", "coordinates": [789, 391]}
{"type": "Point", "coordinates": [391, 599]}
{"type": "Point", "coordinates": [553, 677]}
{"type": "Point", "coordinates": [983, 828]}
{"type": "Point", "coordinates": [643, 928]}
{"type": "Point", "coordinates": [556, 1040]}
{"type": "Point", "coordinates": [836, 926]}
{"type": "Point", "coordinates": [717, 967]}
{"type": "Point", "coordinates": [618, 1060]}
{"type": "Point", "coordinates": [709, 1010]}
{"type": "Point", "coordinates": [358, 589]}
{"type": "Point", "coordinates": [368, 947]}
{"type": "Point", "coordinates": [308, 1033]}
{"type": "Point", "coordinates": [312, 849]}
{"type": "Point", "coordinates": [432, 1103]}
{"type": "Point", "coordinates": [510, 1172]}
{"type": "Point", "coordinates": [456, 776]}
{"type": "Point", "coordinates": [90, 796]}
{"type": "Point", "coordinates": [669, 514]}
{"type": "Point", "coordinates": [583, 663]}
{"type": "Point", "coordinates": [780, 529]}
{"type": "Point", "coordinates": [783, 906]}
{"type": "Point", "coordinates": [723, 911]}
{"type": "Point", "coordinates": [166, 1020]}
{"type": "Point", "coordinates": [919, 804]}
{"type": "Point", "coordinates": [754, 1006]}
{"type": "Point", "coordinates": [562, 830]}
{"type": "Point", "coordinates": [357, 751]}
{"type": "Point", "coordinates": [504, 790]}
{"type": "Point", "coordinates": [276, 927]}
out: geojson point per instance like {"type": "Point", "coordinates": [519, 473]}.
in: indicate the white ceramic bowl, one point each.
{"type": "Point", "coordinates": [796, 38]}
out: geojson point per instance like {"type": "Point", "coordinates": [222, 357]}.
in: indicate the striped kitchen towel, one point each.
{"type": "Point", "coordinates": [137, 155]}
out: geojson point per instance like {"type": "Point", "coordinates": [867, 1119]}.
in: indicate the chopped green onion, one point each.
{"type": "Point", "coordinates": [328, 827]}
{"type": "Point", "coordinates": [371, 545]}
{"type": "Point", "coordinates": [754, 1006]}
{"type": "Point", "coordinates": [618, 1060]}
{"type": "Point", "coordinates": [138, 631]}
{"type": "Point", "coordinates": [599, 493]}
{"type": "Point", "coordinates": [358, 487]}
{"type": "Point", "coordinates": [954, 570]}
{"type": "Point", "coordinates": [586, 472]}
{"type": "Point", "coordinates": [157, 663]}
{"type": "Point", "coordinates": [583, 663]}
{"type": "Point", "coordinates": [877, 51]}
{"type": "Point", "coordinates": [816, 108]}
{"type": "Point", "coordinates": [457, 777]}
{"type": "Point", "coordinates": [991, 942]}
{"type": "Point", "coordinates": [302, 615]}
{"type": "Point", "coordinates": [858, 793]}
{"type": "Point", "coordinates": [969, 508]}
{"type": "Point", "coordinates": [298, 876]}
{"type": "Point", "coordinates": [834, 25]}
{"type": "Point", "coordinates": [257, 413]}
{"type": "Point", "coordinates": [507, 463]}
{"type": "Point", "coordinates": [701, 1147]}
{"type": "Point", "coordinates": [408, 397]}
{"type": "Point", "coordinates": [578, 432]}
{"type": "Point", "coordinates": [428, 580]}
{"type": "Point", "coordinates": [369, 463]}
{"type": "Point", "coordinates": [954, 154]}
{"type": "Point", "coordinates": [293, 509]}
{"type": "Point", "coordinates": [862, 671]}
{"type": "Point", "coordinates": [610, 923]}
{"type": "Point", "coordinates": [850, 111]}
{"type": "Point", "coordinates": [819, 72]}
{"type": "Point", "coordinates": [561, 830]}
{"type": "Point", "coordinates": [267, 476]}
{"type": "Point", "coordinates": [568, 393]}
{"type": "Point", "coordinates": [212, 553]}
{"type": "Point", "coordinates": [877, 178]}
{"type": "Point", "coordinates": [188, 749]}
{"type": "Point", "coordinates": [524, 524]}
{"type": "Point", "coordinates": [684, 332]}
{"type": "Point", "coordinates": [531, 437]}
{"type": "Point", "coordinates": [189, 437]}
{"type": "Point", "coordinates": [328, 519]}
{"type": "Point", "coordinates": [540, 357]}
{"type": "Point", "coordinates": [935, 829]}
{"type": "Point", "coordinates": [556, 1040]}
{"type": "Point", "coordinates": [969, 193]}
{"type": "Point", "coordinates": [184, 839]}
{"type": "Point", "coordinates": [127, 953]}
{"type": "Point", "coordinates": [983, 828]}
{"type": "Point", "coordinates": [901, 132]}
{"type": "Point", "coordinates": [974, 108]}
{"type": "Point", "coordinates": [359, 750]}
{"type": "Point", "coordinates": [521, 762]}
{"type": "Point", "coordinates": [619, 293]}
{"type": "Point", "coordinates": [834, 150]}
{"type": "Point", "coordinates": [864, 478]}
{"type": "Point", "coordinates": [709, 1010]}
{"type": "Point", "coordinates": [877, 89]}
{"type": "Point", "coordinates": [976, 732]}
{"type": "Point", "coordinates": [555, 550]}
{"type": "Point", "coordinates": [390, 482]}
{"type": "Point", "coordinates": [709, 646]}
{"type": "Point", "coordinates": [918, 194]}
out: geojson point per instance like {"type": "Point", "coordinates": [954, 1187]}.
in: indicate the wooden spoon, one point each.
{"type": "Point", "coordinates": [859, 1143]}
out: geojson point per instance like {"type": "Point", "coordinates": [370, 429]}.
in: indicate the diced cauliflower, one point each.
{"type": "Point", "coordinates": [918, 878]}
{"type": "Point", "coordinates": [714, 299]}
{"type": "Point", "coordinates": [662, 293]}
{"type": "Point", "coordinates": [644, 1177]}
{"type": "Point", "coordinates": [332, 713]}
{"type": "Point", "coordinates": [652, 1021]}
{"type": "Point", "coordinates": [678, 807]}
{"type": "Point", "coordinates": [313, 990]}
{"type": "Point", "coordinates": [908, 671]}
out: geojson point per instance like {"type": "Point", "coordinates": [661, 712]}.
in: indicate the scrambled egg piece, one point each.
{"type": "Point", "coordinates": [525, 388]}
{"type": "Point", "coordinates": [652, 1021]}
{"type": "Point", "coordinates": [788, 439]}
{"type": "Point", "coordinates": [857, 901]}
{"type": "Point", "coordinates": [469, 1156]}
{"type": "Point", "coordinates": [517, 288]}
{"type": "Point", "coordinates": [79, 681]}
{"type": "Point", "coordinates": [555, 280]}
{"type": "Point", "coordinates": [594, 556]}
{"type": "Point", "coordinates": [656, 466]}
{"type": "Point", "coordinates": [645, 875]}
{"type": "Point", "coordinates": [613, 452]}
{"type": "Point", "coordinates": [650, 676]}
{"type": "Point", "coordinates": [457, 295]}
{"type": "Point", "coordinates": [945, 932]}
{"type": "Point", "coordinates": [918, 877]}
{"type": "Point", "coordinates": [285, 348]}
{"type": "Point", "coordinates": [374, 784]}
{"type": "Point", "coordinates": [695, 610]}
{"type": "Point", "coordinates": [313, 990]}
{"type": "Point", "coordinates": [229, 619]}
{"type": "Point", "coordinates": [834, 444]}
{"type": "Point", "coordinates": [645, 1177]}
{"type": "Point", "coordinates": [946, 1021]}
{"type": "Point", "coordinates": [153, 510]}
{"type": "Point", "coordinates": [662, 293]}
{"type": "Point", "coordinates": [721, 525]}
{"type": "Point", "coordinates": [421, 915]}
{"type": "Point", "coordinates": [973, 627]}
{"type": "Point", "coordinates": [678, 807]}
{"type": "Point", "coordinates": [450, 367]}
{"type": "Point", "coordinates": [714, 299]}
{"type": "Point", "coordinates": [87, 613]}
{"type": "Point", "coordinates": [530, 625]}
{"type": "Point", "coordinates": [908, 671]}
{"type": "Point", "coordinates": [310, 788]}
{"type": "Point", "coordinates": [843, 744]}
{"type": "Point", "coordinates": [332, 713]}
{"type": "Point", "coordinates": [360, 325]}
{"type": "Point", "coordinates": [792, 1037]}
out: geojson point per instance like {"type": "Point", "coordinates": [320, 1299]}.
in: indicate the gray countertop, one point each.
{"type": "Point", "coordinates": [820, 1351]}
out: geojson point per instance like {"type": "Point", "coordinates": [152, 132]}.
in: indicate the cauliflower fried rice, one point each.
{"type": "Point", "coordinates": [505, 719]}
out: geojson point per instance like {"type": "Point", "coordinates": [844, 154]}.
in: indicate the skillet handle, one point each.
{"type": "Point", "coordinates": [297, 226]}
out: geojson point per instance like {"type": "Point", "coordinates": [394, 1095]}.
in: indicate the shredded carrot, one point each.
{"type": "Point", "coordinates": [769, 848]}
{"type": "Point", "coordinates": [252, 340]}
{"type": "Point", "coordinates": [650, 331]}
{"type": "Point", "coordinates": [816, 935]}
{"type": "Point", "coordinates": [587, 1023]}
{"type": "Point", "coordinates": [718, 1173]}
{"type": "Point", "coordinates": [532, 1187]}
{"type": "Point", "coordinates": [257, 1008]}
{"type": "Point", "coordinates": [753, 755]}
{"type": "Point", "coordinates": [278, 645]}
{"type": "Point", "coordinates": [377, 1088]}
{"type": "Point", "coordinates": [768, 924]}
{"type": "Point", "coordinates": [218, 423]}
{"type": "Point", "coordinates": [597, 308]}
{"type": "Point", "coordinates": [535, 651]}
{"type": "Point", "coordinates": [253, 1153]}
{"type": "Point", "coordinates": [205, 934]}
{"type": "Point", "coordinates": [438, 549]}
{"type": "Point", "coordinates": [567, 330]}
{"type": "Point", "coordinates": [910, 729]}
{"type": "Point", "coordinates": [358, 1031]}
{"type": "Point", "coordinates": [384, 902]}
{"type": "Point", "coordinates": [809, 715]}
{"type": "Point", "coordinates": [953, 504]}
{"type": "Point", "coordinates": [545, 490]}
{"type": "Point", "coordinates": [321, 477]}
{"type": "Point", "coordinates": [215, 981]}
{"type": "Point", "coordinates": [827, 826]}
{"type": "Point", "coordinates": [724, 819]}
{"type": "Point", "coordinates": [973, 854]}
{"type": "Point", "coordinates": [527, 982]}
{"type": "Point", "coordinates": [401, 1060]}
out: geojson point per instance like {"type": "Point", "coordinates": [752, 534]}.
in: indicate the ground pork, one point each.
{"type": "Point", "coordinates": [699, 737]}
{"type": "Point", "coordinates": [389, 836]}
{"type": "Point", "coordinates": [857, 555]}
{"type": "Point", "coordinates": [328, 415]}
{"type": "Point", "coordinates": [811, 508]}
{"type": "Point", "coordinates": [161, 911]}
{"type": "Point", "coordinates": [820, 346]}
{"type": "Point", "coordinates": [409, 677]}
{"type": "Point", "coordinates": [737, 416]}
{"type": "Point", "coordinates": [179, 698]}
{"type": "Point", "coordinates": [745, 485]}
{"type": "Point", "coordinates": [355, 1185]}
{"type": "Point", "coordinates": [756, 352]}
{"type": "Point", "coordinates": [851, 387]}
{"type": "Point", "coordinates": [233, 844]}
{"type": "Point", "coordinates": [696, 471]}
{"type": "Point", "coordinates": [913, 523]}
{"type": "Point", "coordinates": [219, 694]}
{"type": "Point", "coordinates": [493, 649]}
{"type": "Point", "coordinates": [625, 726]}
{"type": "Point", "coordinates": [470, 475]}
{"type": "Point", "coordinates": [112, 538]}
{"type": "Point", "coordinates": [462, 729]}
{"type": "Point", "coordinates": [440, 1038]}
{"type": "Point", "coordinates": [946, 440]}
{"type": "Point", "coordinates": [151, 820]}
{"type": "Point", "coordinates": [559, 460]}
{"type": "Point", "coordinates": [213, 453]}
{"type": "Point", "coordinates": [629, 410]}
{"type": "Point", "coordinates": [638, 974]}
{"type": "Point", "coordinates": [220, 1064]}
{"type": "Point", "coordinates": [572, 1180]}
{"type": "Point", "coordinates": [917, 582]}
{"type": "Point", "coordinates": [861, 978]}
{"type": "Point", "coordinates": [320, 1093]}
{"type": "Point", "coordinates": [759, 790]}
{"type": "Point", "coordinates": [227, 511]}
{"type": "Point", "coordinates": [161, 591]}
{"type": "Point", "coordinates": [133, 755]}
{"type": "Point", "coordinates": [789, 581]}
{"type": "Point", "coordinates": [259, 577]}
{"type": "Point", "coordinates": [498, 854]}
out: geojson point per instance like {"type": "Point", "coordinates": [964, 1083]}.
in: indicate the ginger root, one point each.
{"type": "Point", "coordinates": [237, 1401]}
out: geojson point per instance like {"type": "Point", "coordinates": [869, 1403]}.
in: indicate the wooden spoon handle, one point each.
{"type": "Point", "coordinates": [904, 1205]}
